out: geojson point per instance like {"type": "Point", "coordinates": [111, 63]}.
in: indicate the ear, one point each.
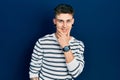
{"type": "Point", "coordinates": [54, 21]}
{"type": "Point", "coordinates": [73, 21]}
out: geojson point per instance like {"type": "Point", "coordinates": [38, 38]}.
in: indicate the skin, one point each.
{"type": "Point", "coordinates": [35, 78]}
{"type": "Point", "coordinates": [63, 24]}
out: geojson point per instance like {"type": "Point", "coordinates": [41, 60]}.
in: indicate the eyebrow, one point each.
{"type": "Point", "coordinates": [63, 20]}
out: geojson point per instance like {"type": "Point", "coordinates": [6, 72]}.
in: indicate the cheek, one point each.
{"type": "Point", "coordinates": [58, 24]}
{"type": "Point", "coordinates": [70, 26]}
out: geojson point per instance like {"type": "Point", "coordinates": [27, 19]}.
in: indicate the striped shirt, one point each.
{"type": "Point", "coordinates": [48, 60]}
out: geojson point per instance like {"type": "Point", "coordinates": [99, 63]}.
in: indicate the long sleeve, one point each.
{"type": "Point", "coordinates": [76, 66]}
{"type": "Point", "coordinates": [36, 60]}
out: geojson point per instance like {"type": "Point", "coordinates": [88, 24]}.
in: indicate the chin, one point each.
{"type": "Point", "coordinates": [65, 33]}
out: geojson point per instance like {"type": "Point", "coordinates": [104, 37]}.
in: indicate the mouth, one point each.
{"type": "Point", "coordinates": [64, 30]}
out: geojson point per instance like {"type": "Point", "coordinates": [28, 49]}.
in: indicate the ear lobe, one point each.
{"type": "Point", "coordinates": [73, 21]}
{"type": "Point", "coordinates": [54, 21]}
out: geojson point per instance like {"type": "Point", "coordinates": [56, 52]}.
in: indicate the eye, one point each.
{"type": "Point", "coordinates": [60, 21]}
{"type": "Point", "coordinates": [68, 21]}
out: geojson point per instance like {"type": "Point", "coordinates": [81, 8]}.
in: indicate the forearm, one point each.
{"type": "Point", "coordinates": [75, 66]}
{"type": "Point", "coordinates": [69, 56]}
{"type": "Point", "coordinates": [35, 78]}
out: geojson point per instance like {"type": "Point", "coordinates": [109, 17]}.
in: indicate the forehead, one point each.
{"type": "Point", "coordinates": [64, 16]}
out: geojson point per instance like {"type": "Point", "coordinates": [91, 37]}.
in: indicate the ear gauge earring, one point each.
{"type": "Point", "coordinates": [72, 24]}
{"type": "Point", "coordinates": [54, 24]}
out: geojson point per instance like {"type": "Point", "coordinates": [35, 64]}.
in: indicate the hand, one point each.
{"type": "Point", "coordinates": [63, 38]}
{"type": "Point", "coordinates": [35, 78]}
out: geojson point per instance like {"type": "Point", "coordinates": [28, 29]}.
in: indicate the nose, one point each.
{"type": "Point", "coordinates": [64, 24]}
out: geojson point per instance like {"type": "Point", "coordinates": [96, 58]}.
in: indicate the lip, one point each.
{"type": "Point", "coordinates": [64, 30]}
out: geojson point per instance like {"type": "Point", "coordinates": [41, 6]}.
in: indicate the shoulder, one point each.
{"type": "Point", "coordinates": [79, 42]}
{"type": "Point", "coordinates": [47, 37]}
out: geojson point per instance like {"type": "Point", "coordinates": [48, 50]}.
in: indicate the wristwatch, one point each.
{"type": "Point", "coordinates": [66, 48]}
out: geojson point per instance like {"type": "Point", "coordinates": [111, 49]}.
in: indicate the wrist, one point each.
{"type": "Point", "coordinates": [66, 48]}
{"type": "Point", "coordinates": [64, 45]}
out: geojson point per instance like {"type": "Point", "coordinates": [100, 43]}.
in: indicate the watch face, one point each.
{"type": "Point", "coordinates": [66, 48]}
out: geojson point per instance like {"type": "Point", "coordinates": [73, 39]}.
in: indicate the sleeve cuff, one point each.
{"type": "Point", "coordinates": [72, 65]}
{"type": "Point", "coordinates": [31, 75]}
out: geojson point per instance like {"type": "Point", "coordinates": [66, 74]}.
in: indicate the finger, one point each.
{"type": "Point", "coordinates": [68, 34]}
{"type": "Point", "coordinates": [58, 35]}
{"type": "Point", "coordinates": [60, 31]}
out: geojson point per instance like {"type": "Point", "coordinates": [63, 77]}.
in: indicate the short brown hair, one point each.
{"type": "Point", "coordinates": [63, 8]}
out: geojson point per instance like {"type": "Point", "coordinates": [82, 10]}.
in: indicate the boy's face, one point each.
{"type": "Point", "coordinates": [63, 23]}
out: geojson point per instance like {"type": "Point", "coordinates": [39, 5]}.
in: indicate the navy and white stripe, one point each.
{"type": "Point", "coordinates": [48, 60]}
